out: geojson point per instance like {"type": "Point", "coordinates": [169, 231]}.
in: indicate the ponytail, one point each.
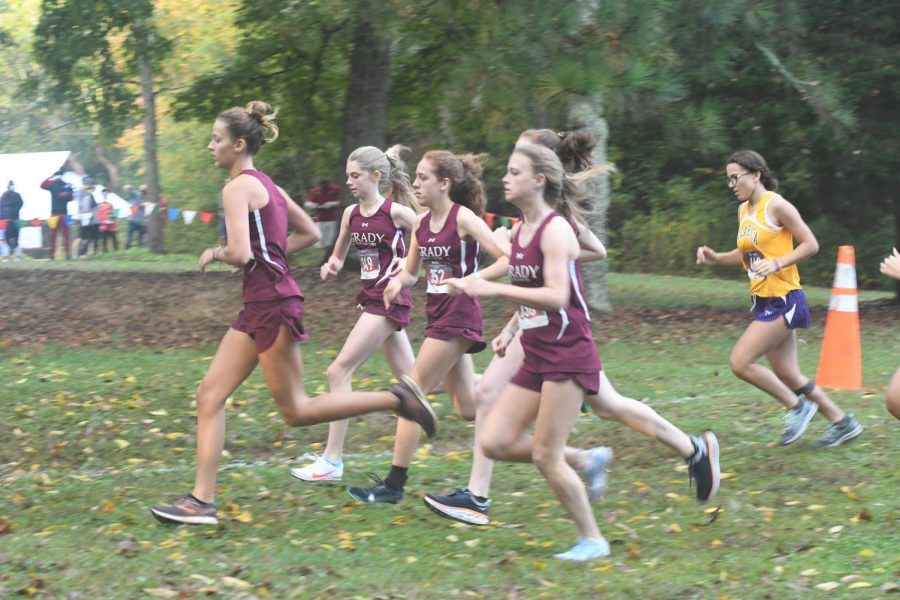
{"type": "Point", "coordinates": [394, 181]}
{"type": "Point", "coordinates": [564, 192]}
{"type": "Point", "coordinates": [464, 173]}
{"type": "Point", "coordinates": [400, 189]}
{"type": "Point", "coordinates": [255, 124]}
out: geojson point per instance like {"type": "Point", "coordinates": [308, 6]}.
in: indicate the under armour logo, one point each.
{"type": "Point", "coordinates": [519, 255]}
{"type": "Point", "coordinates": [365, 224]}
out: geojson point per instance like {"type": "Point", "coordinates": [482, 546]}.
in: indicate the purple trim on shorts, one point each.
{"type": "Point", "coordinates": [530, 380]}
{"type": "Point", "coordinates": [792, 307]}
{"type": "Point", "coordinates": [262, 320]}
{"type": "Point", "coordinates": [448, 333]}
{"type": "Point", "coordinates": [397, 314]}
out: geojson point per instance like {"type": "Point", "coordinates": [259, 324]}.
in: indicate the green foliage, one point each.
{"type": "Point", "coordinates": [90, 49]}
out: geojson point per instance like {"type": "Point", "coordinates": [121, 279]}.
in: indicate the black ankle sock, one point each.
{"type": "Point", "coordinates": [396, 479]}
{"type": "Point", "coordinates": [202, 503]}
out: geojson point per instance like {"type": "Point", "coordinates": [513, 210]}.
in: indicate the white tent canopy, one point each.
{"type": "Point", "coordinates": [28, 170]}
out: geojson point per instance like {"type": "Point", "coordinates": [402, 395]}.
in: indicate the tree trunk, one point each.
{"type": "Point", "coordinates": [156, 222]}
{"type": "Point", "coordinates": [112, 171]}
{"type": "Point", "coordinates": [589, 116]}
{"type": "Point", "coordinates": [365, 107]}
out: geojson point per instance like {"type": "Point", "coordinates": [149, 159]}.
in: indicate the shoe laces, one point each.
{"type": "Point", "coordinates": [379, 482]}
{"type": "Point", "coordinates": [310, 456]}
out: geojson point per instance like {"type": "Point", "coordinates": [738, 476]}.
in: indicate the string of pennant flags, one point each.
{"type": "Point", "coordinates": [188, 216]}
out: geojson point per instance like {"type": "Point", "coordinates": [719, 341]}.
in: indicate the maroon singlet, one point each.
{"type": "Point", "coordinates": [444, 256]}
{"type": "Point", "coordinates": [379, 244]}
{"type": "Point", "coordinates": [268, 276]}
{"type": "Point", "coordinates": [554, 341]}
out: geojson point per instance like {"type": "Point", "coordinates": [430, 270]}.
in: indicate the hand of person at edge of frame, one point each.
{"type": "Point", "coordinates": [469, 285]}
{"type": "Point", "coordinates": [502, 237]}
{"type": "Point", "coordinates": [706, 256]}
{"type": "Point", "coordinates": [328, 271]}
{"type": "Point", "coordinates": [500, 343]}
{"type": "Point", "coordinates": [205, 259]}
{"type": "Point", "coordinates": [890, 266]}
{"type": "Point", "coordinates": [396, 266]}
{"type": "Point", "coordinates": [391, 291]}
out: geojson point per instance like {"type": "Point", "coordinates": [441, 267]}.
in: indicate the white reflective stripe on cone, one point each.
{"type": "Point", "coordinates": [844, 303]}
{"type": "Point", "coordinates": [845, 276]}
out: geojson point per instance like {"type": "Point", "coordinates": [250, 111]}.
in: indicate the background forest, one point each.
{"type": "Point", "coordinates": [672, 87]}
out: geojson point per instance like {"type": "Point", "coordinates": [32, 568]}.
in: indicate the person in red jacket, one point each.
{"type": "Point", "coordinates": [323, 203]}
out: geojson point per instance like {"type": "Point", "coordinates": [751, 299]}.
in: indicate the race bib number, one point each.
{"type": "Point", "coordinates": [437, 272]}
{"type": "Point", "coordinates": [530, 318]}
{"type": "Point", "coordinates": [750, 259]}
{"type": "Point", "coordinates": [369, 263]}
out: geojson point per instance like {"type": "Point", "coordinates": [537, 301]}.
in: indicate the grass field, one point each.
{"type": "Point", "coordinates": [90, 437]}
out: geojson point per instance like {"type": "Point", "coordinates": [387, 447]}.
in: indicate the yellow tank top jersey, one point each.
{"type": "Point", "coordinates": [759, 238]}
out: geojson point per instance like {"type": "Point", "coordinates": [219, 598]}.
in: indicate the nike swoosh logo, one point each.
{"type": "Point", "coordinates": [320, 476]}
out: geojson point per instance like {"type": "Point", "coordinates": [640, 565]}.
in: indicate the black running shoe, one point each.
{"type": "Point", "coordinates": [380, 493]}
{"type": "Point", "coordinates": [413, 404]}
{"type": "Point", "coordinates": [703, 466]}
{"type": "Point", "coordinates": [459, 505]}
{"type": "Point", "coordinates": [186, 509]}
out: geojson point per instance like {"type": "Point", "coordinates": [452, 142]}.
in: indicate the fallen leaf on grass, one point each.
{"type": "Point", "coordinates": [858, 585]}
{"type": "Point", "coordinates": [828, 586]}
{"type": "Point", "coordinates": [161, 592]}
{"type": "Point", "coordinates": [235, 583]}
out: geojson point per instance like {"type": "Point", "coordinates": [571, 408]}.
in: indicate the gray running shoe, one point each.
{"type": "Point", "coordinates": [459, 505]}
{"type": "Point", "coordinates": [797, 419]}
{"type": "Point", "coordinates": [837, 433]}
{"type": "Point", "coordinates": [186, 509]}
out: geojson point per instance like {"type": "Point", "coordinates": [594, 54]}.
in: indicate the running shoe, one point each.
{"type": "Point", "coordinates": [459, 505]}
{"type": "Point", "coordinates": [380, 493]}
{"type": "Point", "coordinates": [186, 509]}
{"type": "Point", "coordinates": [837, 433]}
{"type": "Point", "coordinates": [413, 404]}
{"type": "Point", "coordinates": [585, 549]}
{"type": "Point", "coordinates": [320, 469]}
{"type": "Point", "coordinates": [797, 419]}
{"type": "Point", "coordinates": [703, 466]}
{"type": "Point", "coordinates": [594, 473]}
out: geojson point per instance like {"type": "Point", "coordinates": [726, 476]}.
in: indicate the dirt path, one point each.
{"type": "Point", "coordinates": [189, 309]}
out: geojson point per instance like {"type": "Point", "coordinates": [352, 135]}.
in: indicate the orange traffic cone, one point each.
{"type": "Point", "coordinates": [840, 364]}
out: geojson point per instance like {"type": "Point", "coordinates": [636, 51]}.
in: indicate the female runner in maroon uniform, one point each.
{"type": "Point", "coordinates": [561, 365]}
{"type": "Point", "coordinates": [258, 215]}
{"type": "Point", "coordinates": [470, 505]}
{"type": "Point", "coordinates": [447, 241]}
{"type": "Point", "coordinates": [375, 225]}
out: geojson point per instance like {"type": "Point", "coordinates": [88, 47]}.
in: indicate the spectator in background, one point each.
{"type": "Point", "coordinates": [136, 221]}
{"type": "Point", "coordinates": [10, 205]}
{"type": "Point", "coordinates": [323, 202]}
{"type": "Point", "coordinates": [106, 215]}
{"type": "Point", "coordinates": [60, 195]}
{"type": "Point", "coordinates": [87, 217]}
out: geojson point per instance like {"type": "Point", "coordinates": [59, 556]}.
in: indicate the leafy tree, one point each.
{"type": "Point", "coordinates": [99, 59]}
